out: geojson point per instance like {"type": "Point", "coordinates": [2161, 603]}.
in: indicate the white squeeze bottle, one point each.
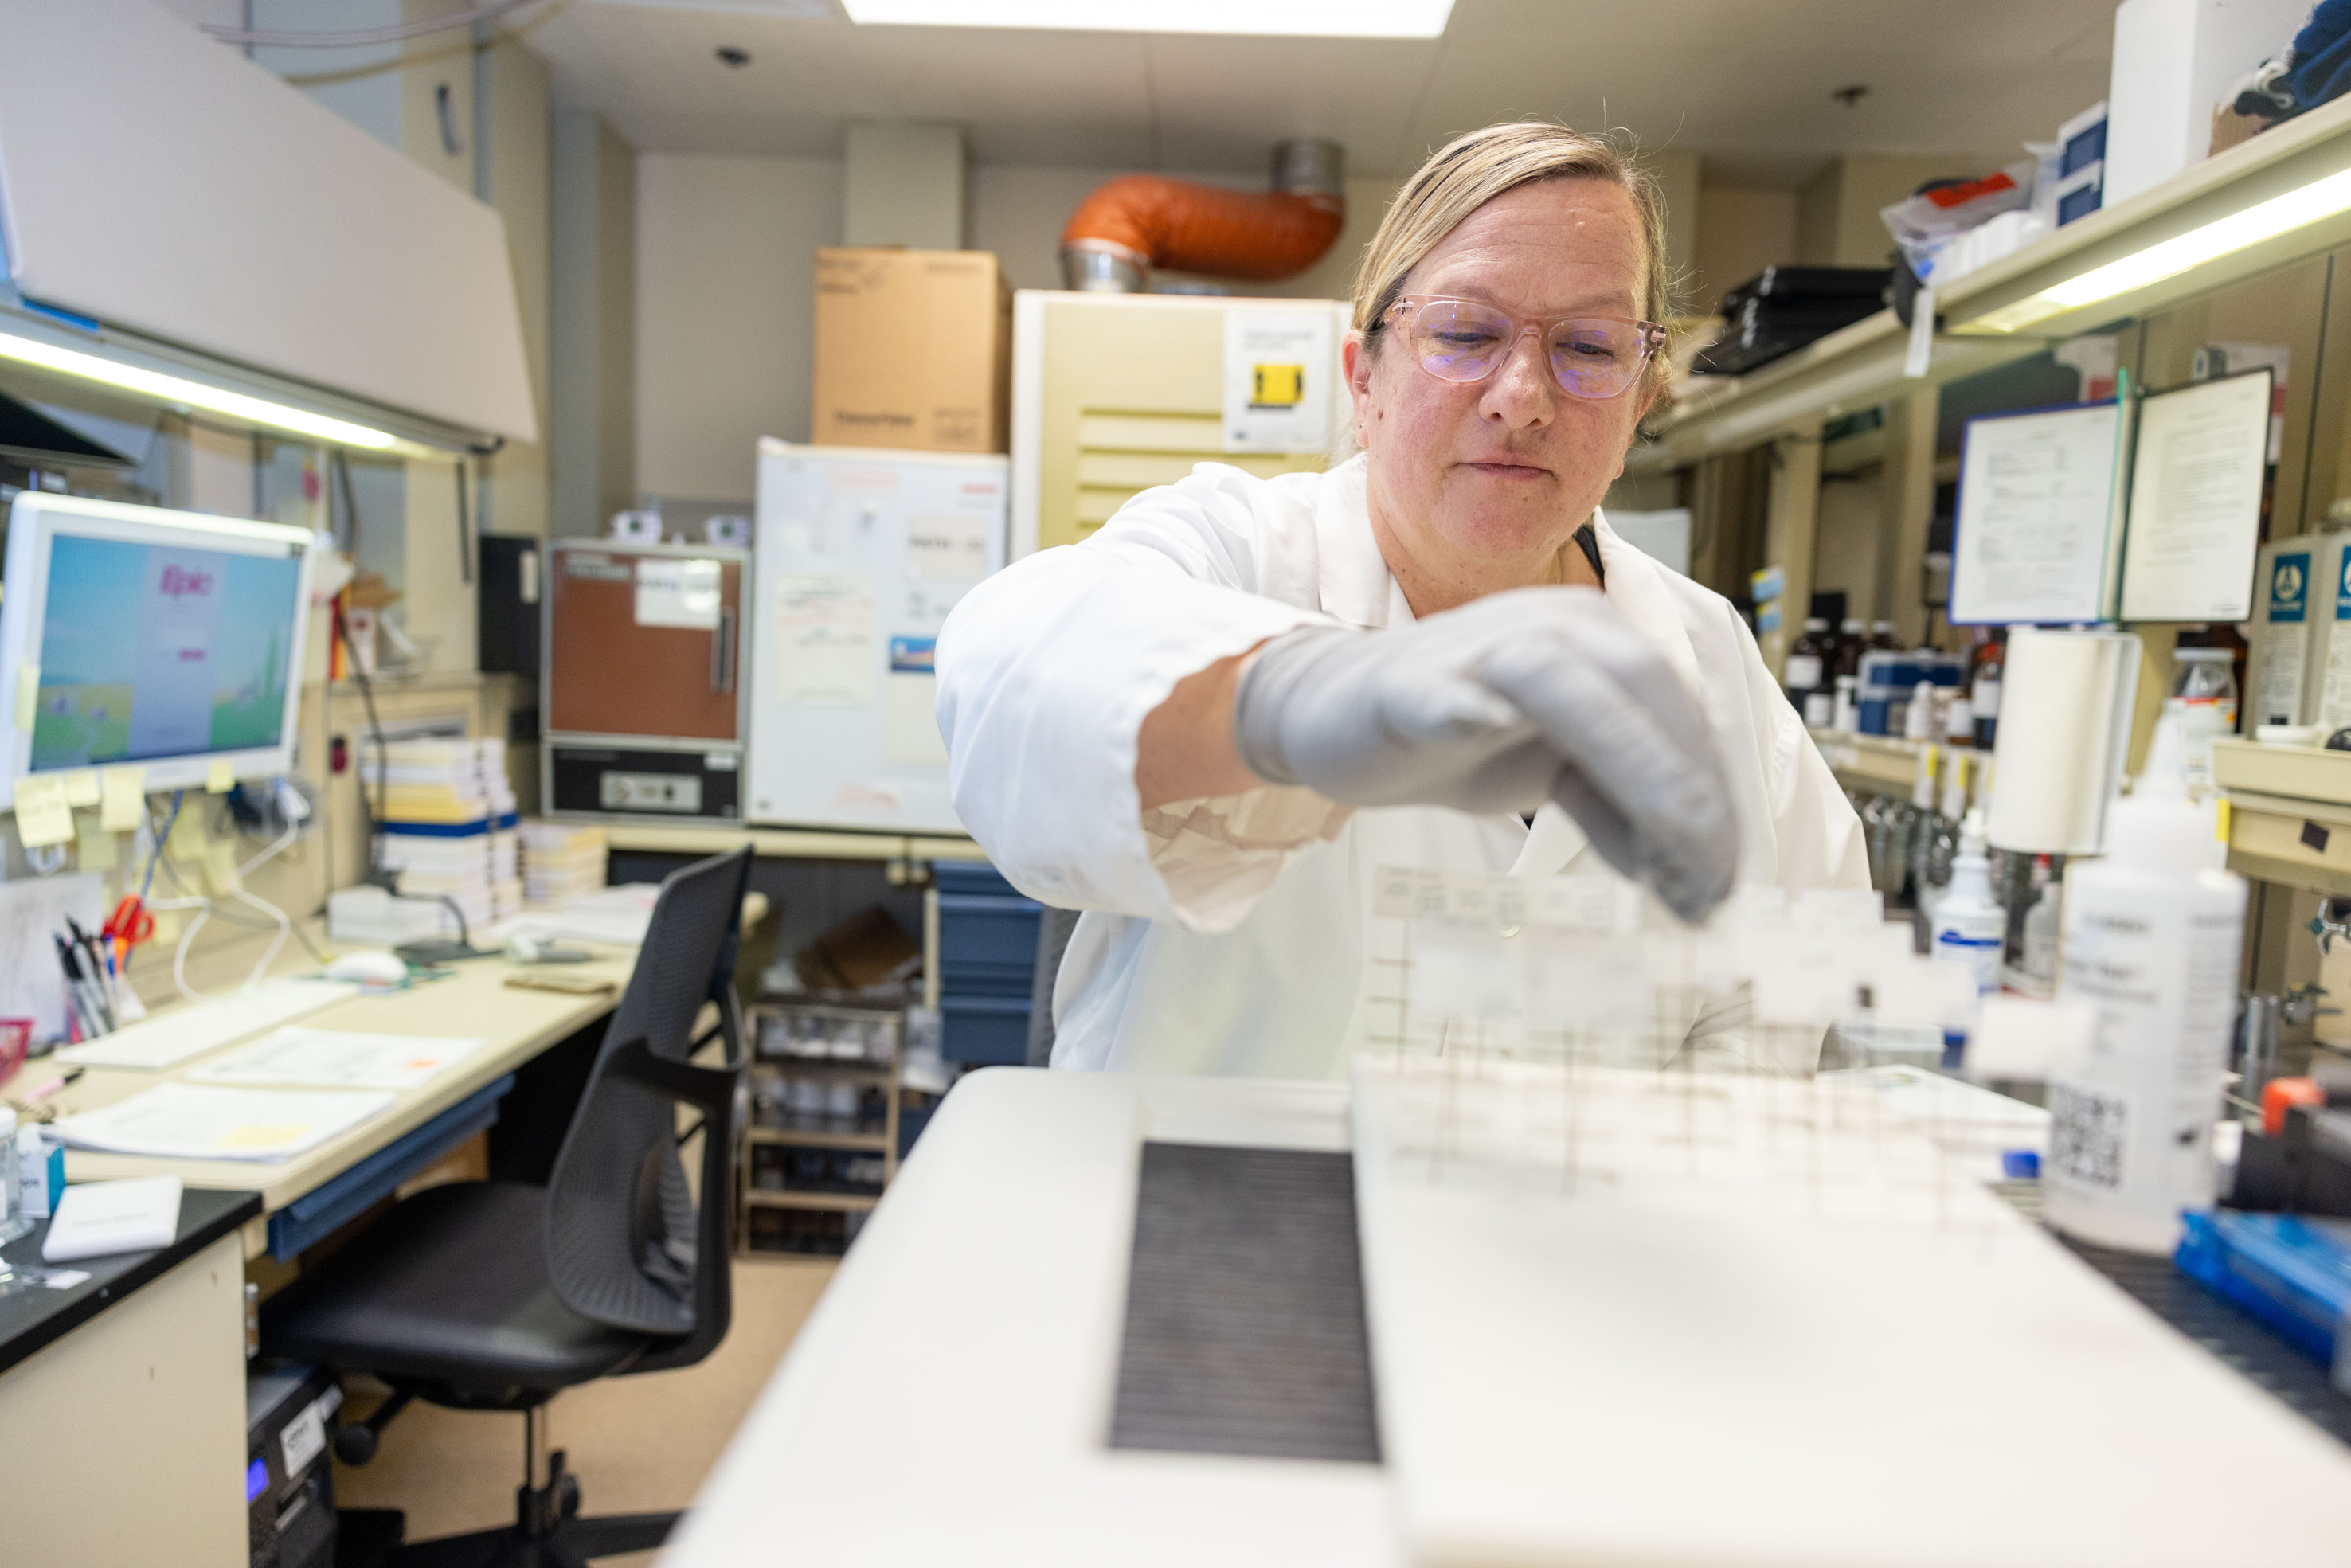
{"type": "Point", "coordinates": [2152, 934]}
{"type": "Point", "coordinates": [1969, 924]}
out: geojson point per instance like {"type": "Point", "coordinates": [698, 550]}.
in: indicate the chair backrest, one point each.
{"type": "Point", "coordinates": [1054, 929]}
{"type": "Point", "coordinates": [625, 1244]}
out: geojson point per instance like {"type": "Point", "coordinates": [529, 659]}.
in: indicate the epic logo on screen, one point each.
{"type": "Point", "coordinates": [178, 582]}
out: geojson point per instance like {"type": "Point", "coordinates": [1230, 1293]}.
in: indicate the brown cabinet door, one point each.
{"type": "Point", "coordinates": [630, 652]}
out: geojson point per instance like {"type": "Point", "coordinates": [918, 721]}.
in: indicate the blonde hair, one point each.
{"type": "Point", "coordinates": [1471, 171]}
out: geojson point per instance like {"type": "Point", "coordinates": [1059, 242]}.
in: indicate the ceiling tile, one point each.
{"type": "Point", "coordinates": [1747, 86]}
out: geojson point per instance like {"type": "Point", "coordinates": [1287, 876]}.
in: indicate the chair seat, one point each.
{"type": "Point", "coordinates": [450, 1289]}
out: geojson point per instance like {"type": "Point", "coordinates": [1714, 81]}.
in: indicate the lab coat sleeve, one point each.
{"type": "Point", "coordinates": [1046, 672]}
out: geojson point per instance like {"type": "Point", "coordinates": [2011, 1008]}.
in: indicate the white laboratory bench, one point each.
{"type": "Point", "coordinates": [950, 1399]}
{"type": "Point", "coordinates": [1723, 1396]}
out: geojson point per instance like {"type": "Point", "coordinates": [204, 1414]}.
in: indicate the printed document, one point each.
{"type": "Point", "coordinates": [203, 1122]}
{"type": "Point", "coordinates": [336, 1059]}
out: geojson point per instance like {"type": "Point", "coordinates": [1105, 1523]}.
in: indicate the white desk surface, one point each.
{"type": "Point", "coordinates": [475, 1002]}
{"type": "Point", "coordinates": [950, 1399]}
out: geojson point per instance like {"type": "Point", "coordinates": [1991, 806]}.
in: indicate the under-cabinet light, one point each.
{"type": "Point", "coordinates": [2264, 221]}
{"type": "Point", "coordinates": [1297, 18]}
{"type": "Point", "coordinates": [198, 394]}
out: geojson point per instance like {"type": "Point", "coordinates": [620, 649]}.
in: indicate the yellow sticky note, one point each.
{"type": "Point", "coordinates": [28, 695]}
{"type": "Point", "coordinates": [187, 841]}
{"type": "Point", "coordinates": [220, 866]}
{"type": "Point", "coordinates": [123, 799]}
{"type": "Point", "coordinates": [167, 926]}
{"type": "Point", "coordinates": [81, 787]}
{"type": "Point", "coordinates": [220, 778]}
{"type": "Point", "coordinates": [262, 1135]}
{"type": "Point", "coordinates": [43, 817]}
{"type": "Point", "coordinates": [2220, 819]}
{"type": "Point", "coordinates": [96, 851]}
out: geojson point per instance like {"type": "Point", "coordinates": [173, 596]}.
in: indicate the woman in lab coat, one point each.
{"type": "Point", "coordinates": [1213, 723]}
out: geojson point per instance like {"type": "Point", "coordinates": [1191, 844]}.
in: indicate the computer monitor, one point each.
{"type": "Point", "coordinates": [131, 634]}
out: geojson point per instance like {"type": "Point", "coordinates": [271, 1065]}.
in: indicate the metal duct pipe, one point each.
{"type": "Point", "coordinates": [1138, 222]}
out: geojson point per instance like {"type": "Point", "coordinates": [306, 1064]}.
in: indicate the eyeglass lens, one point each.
{"type": "Point", "coordinates": [1591, 357]}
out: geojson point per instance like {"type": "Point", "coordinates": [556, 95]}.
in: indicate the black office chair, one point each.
{"type": "Point", "coordinates": [1054, 929]}
{"type": "Point", "coordinates": [498, 1295]}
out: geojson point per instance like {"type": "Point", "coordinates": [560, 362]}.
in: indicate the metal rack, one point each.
{"type": "Point", "coordinates": [771, 1067]}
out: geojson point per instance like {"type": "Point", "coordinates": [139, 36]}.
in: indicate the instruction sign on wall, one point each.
{"type": "Point", "coordinates": [1278, 372]}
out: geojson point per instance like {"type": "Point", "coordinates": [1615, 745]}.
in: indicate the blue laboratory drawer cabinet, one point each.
{"type": "Point", "coordinates": [987, 965]}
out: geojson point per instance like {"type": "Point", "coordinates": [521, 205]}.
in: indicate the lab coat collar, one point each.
{"type": "Point", "coordinates": [1357, 585]}
{"type": "Point", "coordinates": [1357, 588]}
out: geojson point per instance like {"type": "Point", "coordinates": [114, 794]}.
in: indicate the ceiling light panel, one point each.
{"type": "Point", "coordinates": [1263, 18]}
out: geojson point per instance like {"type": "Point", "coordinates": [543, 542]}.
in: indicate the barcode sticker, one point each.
{"type": "Point", "coordinates": [2086, 1133]}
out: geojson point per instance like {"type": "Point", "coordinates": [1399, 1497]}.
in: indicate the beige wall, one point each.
{"type": "Point", "coordinates": [724, 290]}
{"type": "Point", "coordinates": [725, 282]}
{"type": "Point", "coordinates": [1677, 171]}
{"type": "Point", "coordinates": [429, 64]}
{"type": "Point", "coordinates": [1845, 550]}
{"type": "Point", "coordinates": [591, 324]}
{"type": "Point", "coordinates": [1837, 222]}
{"type": "Point", "coordinates": [1740, 232]}
{"type": "Point", "coordinates": [518, 174]}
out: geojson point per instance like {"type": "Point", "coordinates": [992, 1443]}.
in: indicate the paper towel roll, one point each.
{"type": "Point", "coordinates": [2065, 706]}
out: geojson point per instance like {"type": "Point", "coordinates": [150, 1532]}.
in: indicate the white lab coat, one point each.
{"type": "Point", "coordinates": [1234, 935]}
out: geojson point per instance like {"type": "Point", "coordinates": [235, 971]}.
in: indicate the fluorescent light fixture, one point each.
{"type": "Point", "coordinates": [196, 394]}
{"type": "Point", "coordinates": [1262, 18]}
{"type": "Point", "coordinates": [2265, 221]}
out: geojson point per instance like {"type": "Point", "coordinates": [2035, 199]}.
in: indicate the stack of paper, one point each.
{"type": "Point", "coordinates": [177, 1120]}
{"type": "Point", "coordinates": [448, 811]}
{"type": "Point", "coordinates": [561, 860]}
{"type": "Point", "coordinates": [616, 914]}
{"type": "Point", "coordinates": [369, 915]}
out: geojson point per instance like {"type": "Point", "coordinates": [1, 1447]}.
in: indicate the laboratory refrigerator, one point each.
{"type": "Point", "coordinates": [642, 691]}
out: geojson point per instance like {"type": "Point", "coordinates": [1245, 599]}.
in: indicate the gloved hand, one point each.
{"type": "Point", "coordinates": [1536, 694]}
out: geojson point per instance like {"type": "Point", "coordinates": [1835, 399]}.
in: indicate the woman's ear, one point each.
{"type": "Point", "coordinates": [1355, 356]}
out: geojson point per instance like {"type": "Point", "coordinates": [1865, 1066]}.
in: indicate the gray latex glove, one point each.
{"type": "Point", "coordinates": [1537, 694]}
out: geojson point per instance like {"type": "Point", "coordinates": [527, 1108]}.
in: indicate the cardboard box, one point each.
{"type": "Point", "coordinates": [914, 349]}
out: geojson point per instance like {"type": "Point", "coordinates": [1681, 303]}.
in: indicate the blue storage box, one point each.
{"type": "Point", "coordinates": [979, 930]}
{"type": "Point", "coordinates": [987, 945]}
{"type": "Point", "coordinates": [971, 876]}
{"type": "Point", "coordinates": [2289, 1273]}
{"type": "Point", "coordinates": [985, 1032]}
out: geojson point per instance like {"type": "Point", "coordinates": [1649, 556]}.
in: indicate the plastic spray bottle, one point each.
{"type": "Point", "coordinates": [2152, 934]}
{"type": "Point", "coordinates": [1970, 926]}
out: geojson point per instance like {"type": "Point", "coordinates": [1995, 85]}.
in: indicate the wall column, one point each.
{"type": "Point", "coordinates": [1906, 492]}
{"type": "Point", "coordinates": [1791, 523]}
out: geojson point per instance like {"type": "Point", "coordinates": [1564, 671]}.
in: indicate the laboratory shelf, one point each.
{"type": "Point", "coordinates": [857, 1069]}
{"type": "Point", "coordinates": [1862, 365]}
{"type": "Point", "coordinates": [2301, 772]}
{"type": "Point", "coordinates": [812, 1140]}
{"type": "Point", "coordinates": [2288, 813]}
{"type": "Point", "coordinates": [1882, 764]}
{"type": "Point", "coordinates": [794, 1198]}
{"type": "Point", "coordinates": [883, 1141]}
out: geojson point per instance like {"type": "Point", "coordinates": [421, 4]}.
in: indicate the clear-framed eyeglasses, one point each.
{"type": "Point", "coordinates": [1462, 340]}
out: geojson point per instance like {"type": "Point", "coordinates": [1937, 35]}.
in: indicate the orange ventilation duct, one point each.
{"type": "Point", "coordinates": [1138, 222]}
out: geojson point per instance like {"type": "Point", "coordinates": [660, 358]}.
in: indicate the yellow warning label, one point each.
{"type": "Point", "coordinates": [1277, 386]}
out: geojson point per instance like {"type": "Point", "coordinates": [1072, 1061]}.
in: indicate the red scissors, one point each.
{"type": "Point", "coordinates": [128, 927]}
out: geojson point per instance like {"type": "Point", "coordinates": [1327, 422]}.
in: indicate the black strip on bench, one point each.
{"type": "Point", "coordinates": [1245, 1308]}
